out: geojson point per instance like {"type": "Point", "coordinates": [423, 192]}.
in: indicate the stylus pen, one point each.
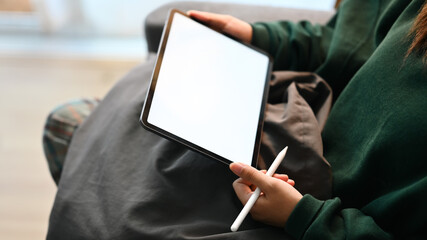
{"type": "Point", "coordinates": [257, 191]}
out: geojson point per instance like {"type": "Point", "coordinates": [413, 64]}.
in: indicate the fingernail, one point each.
{"type": "Point", "coordinates": [237, 168]}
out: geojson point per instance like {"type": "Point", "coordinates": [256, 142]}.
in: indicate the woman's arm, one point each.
{"type": "Point", "coordinates": [293, 46]}
{"type": "Point", "coordinates": [298, 46]}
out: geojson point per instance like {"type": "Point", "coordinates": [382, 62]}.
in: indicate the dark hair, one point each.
{"type": "Point", "coordinates": [419, 32]}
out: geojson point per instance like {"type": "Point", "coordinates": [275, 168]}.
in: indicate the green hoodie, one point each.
{"type": "Point", "coordinates": [376, 135]}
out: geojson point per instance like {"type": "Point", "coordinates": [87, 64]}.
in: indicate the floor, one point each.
{"type": "Point", "coordinates": [29, 89]}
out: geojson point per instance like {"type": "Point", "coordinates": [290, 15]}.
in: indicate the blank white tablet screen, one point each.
{"type": "Point", "coordinates": [209, 90]}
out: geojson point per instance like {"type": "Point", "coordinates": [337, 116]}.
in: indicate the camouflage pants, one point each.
{"type": "Point", "coordinates": [58, 131]}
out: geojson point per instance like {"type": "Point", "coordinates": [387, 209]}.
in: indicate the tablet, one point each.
{"type": "Point", "coordinates": [208, 91]}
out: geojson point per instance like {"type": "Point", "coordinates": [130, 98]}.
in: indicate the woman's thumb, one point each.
{"type": "Point", "coordinates": [250, 174]}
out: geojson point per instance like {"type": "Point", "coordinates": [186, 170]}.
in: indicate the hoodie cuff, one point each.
{"type": "Point", "coordinates": [303, 215]}
{"type": "Point", "coordinates": [260, 36]}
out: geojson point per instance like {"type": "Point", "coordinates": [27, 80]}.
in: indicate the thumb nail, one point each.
{"type": "Point", "coordinates": [237, 168]}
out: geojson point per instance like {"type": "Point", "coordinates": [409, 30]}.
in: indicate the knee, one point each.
{"type": "Point", "coordinates": [59, 128]}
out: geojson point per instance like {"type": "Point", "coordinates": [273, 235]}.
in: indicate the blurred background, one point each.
{"type": "Point", "coordinates": [52, 51]}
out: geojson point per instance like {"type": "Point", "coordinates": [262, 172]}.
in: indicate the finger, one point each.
{"type": "Point", "coordinates": [282, 177]}
{"type": "Point", "coordinates": [242, 190]}
{"type": "Point", "coordinates": [243, 181]}
{"type": "Point", "coordinates": [198, 15]}
{"type": "Point", "coordinates": [247, 183]}
{"type": "Point", "coordinates": [214, 20]}
{"type": "Point", "coordinates": [251, 174]}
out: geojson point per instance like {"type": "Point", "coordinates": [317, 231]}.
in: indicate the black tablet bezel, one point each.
{"type": "Point", "coordinates": [170, 136]}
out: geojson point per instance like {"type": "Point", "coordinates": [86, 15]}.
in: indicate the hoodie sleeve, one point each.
{"type": "Point", "coordinates": [298, 46]}
{"type": "Point", "coordinates": [316, 219]}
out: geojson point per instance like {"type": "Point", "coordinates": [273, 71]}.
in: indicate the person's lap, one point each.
{"type": "Point", "coordinates": [121, 181]}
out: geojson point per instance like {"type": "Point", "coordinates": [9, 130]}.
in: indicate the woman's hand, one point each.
{"type": "Point", "coordinates": [230, 25]}
{"type": "Point", "coordinates": [278, 196]}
